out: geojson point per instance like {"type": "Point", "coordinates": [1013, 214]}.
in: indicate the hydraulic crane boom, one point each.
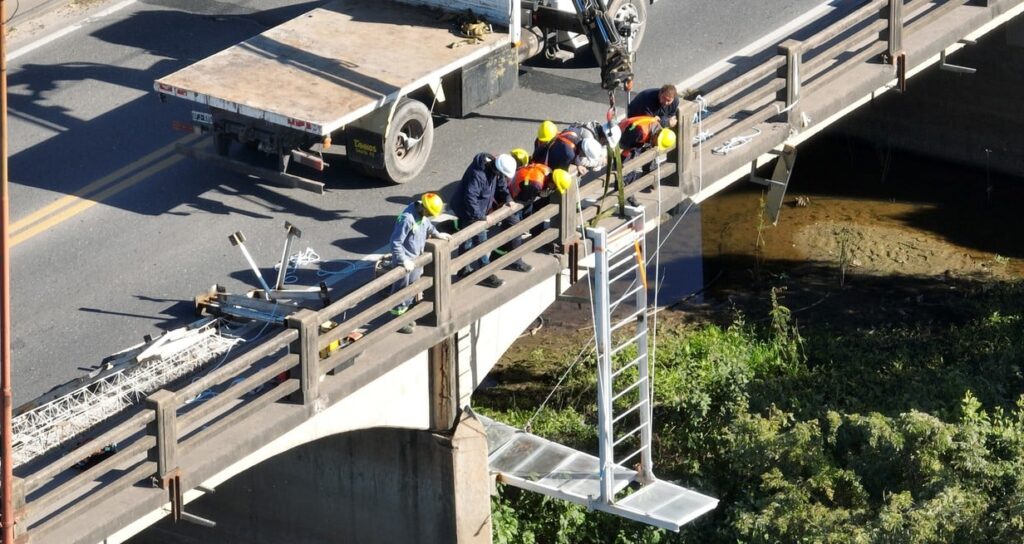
{"type": "Point", "coordinates": [610, 41]}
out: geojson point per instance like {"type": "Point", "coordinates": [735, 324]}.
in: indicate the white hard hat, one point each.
{"type": "Point", "coordinates": [505, 164]}
{"type": "Point", "coordinates": [612, 133]}
{"type": "Point", "coordinates": [591, 149]}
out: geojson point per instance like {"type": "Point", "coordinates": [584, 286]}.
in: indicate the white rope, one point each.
{"type": "Point", "coordinates": [735, 142]}
{"type": "Point", "coordinates": [586, 347]}
{"type": "Point", "coordinates": [309, 257]}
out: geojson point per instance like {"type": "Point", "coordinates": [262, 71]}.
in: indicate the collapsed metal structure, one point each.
{"type": "Point", "coordinates": [139, 372]}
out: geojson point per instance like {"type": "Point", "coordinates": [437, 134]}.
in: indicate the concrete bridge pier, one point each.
{"type": "Point", "coordinates": [369, 486]}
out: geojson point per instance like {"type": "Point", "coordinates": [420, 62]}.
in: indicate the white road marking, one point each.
{"type": "Point", "coordinates": [68, 30]}
{"type": "Point", "coordinates": [772, 37]}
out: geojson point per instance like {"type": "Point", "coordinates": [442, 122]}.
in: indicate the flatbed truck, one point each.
{"type": "Point", "coordinates": [360, 81]}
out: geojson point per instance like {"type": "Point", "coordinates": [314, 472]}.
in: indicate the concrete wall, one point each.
{"type": "Point", "coordinates": [957, 116]}
{"type": "Point", "coordinates": [378, 485]}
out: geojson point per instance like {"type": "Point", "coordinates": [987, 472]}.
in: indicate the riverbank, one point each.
{"type": "Point", "coordinates": [852, 374]}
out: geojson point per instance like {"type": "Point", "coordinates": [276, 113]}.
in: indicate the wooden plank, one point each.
{"type": "Point", "coordinates": [239, 364]}
{"type": "Point", "coordinates": [133, 425]}
{"type": "Point", "coordinates": [307, 347]}
{"type": "Point", "coordinates": [71, 486]}
{"type": "Point", "coordinates": [494, 242]}
{"type": "Point", "coordinates": [331, 65]}
{"type": "Point", "coordinates": [229, 396]}
{"type": "Point", "coordinates": [440, 292]}
{"type": "Point", "coordinates": [165, 427]}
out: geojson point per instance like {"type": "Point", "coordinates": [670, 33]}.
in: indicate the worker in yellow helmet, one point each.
{"type": "Point", "coordinates": [562, 180]}
{"type": "Point", "coordinates": [546, 132]}
{"type": "Point", "coordinates": [521, 156]}
{"type": "Point", "coordinates": [408, 239]}
{"type": "Point", "coordinates": [666, 140]}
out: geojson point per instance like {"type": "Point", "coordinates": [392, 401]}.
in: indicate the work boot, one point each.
{"type": "Point", "coordinates": [408, 329]}
{"type": "Point", "coordinates": [520, 266]}
{"type": "Point", "coordinates": [492, 281]}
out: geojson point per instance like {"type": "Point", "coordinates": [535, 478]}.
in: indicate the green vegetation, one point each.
{"type": "Point", "coordinates": [893, 432]}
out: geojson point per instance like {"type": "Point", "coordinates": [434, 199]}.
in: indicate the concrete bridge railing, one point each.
{"type": "Point", "coordinates": [168, 446]}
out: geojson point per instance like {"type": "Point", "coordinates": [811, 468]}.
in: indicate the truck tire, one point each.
{"type": "Point", "coordinates": [625, 10]}
{"type": "Point", "coordinates": [408, 141]}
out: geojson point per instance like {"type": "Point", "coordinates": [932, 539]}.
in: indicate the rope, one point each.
{"type": "Point", "coordinates": [735, 142]}
{"type": "Point", "coordinates": [579, 356]}
{"type": "Point", "coordinates": [310, 257]}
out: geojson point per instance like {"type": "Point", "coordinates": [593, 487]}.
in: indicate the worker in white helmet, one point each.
{"type": "Point", "coordinates": [485, 181]}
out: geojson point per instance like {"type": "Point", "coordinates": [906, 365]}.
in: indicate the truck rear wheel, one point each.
{"type": "Point", "coordinates": [408, 141]}
{"type": "Point", "coordinates": [624, 12]}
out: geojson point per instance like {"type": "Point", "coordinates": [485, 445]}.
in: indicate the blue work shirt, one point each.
{"type": "Point", "coordinates": [410, 235]}
{"type": "Point", "coordinates": [648, 103]}
{"type": "Point", "coordinates": [481, 185]}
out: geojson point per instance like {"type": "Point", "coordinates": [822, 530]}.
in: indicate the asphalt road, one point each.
{"type": "Point", "coordinates": [148, 229]}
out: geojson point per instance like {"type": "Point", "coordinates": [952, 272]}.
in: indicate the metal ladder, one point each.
{"type": "Point", "coordinates": [619, 282]}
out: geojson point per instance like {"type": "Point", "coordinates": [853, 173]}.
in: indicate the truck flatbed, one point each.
{"type": "Point", "coordinates": [329, 67]}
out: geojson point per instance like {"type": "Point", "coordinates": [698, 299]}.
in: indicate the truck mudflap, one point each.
{"type": "Point", "coordinates": [271, 177]}
{"type": "Point", "coordinates": [365, 147]}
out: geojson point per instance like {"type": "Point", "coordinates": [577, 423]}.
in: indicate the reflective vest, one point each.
{"type": "Point", "coordinates": [543, 152]}
{"type": "Point", "coordinates": [643, 123]}
{"type": "Point", "coordinates": [535, 174]}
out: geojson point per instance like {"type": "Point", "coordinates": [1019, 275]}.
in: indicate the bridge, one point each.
{"type": "Point", "coordinates": [172, 451]}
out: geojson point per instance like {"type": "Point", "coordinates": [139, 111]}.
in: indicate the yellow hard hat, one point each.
{"type": "Point", "coordinates": [666, 140]}
{"type": "Point", "coordinates": [521, 156]}
{"type": "Point", "coordinates": [562, 179]}
{"type": "Point", "coordinates": [432, 204]}
{"type": "Point", "coordinates": [547, 132]}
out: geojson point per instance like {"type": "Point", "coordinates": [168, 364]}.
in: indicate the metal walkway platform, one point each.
{"type": "Point", "coordinates": [533, 463]}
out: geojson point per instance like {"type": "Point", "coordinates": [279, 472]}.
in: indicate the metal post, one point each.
{"type": "Point", "coordinates": [643, 367]}
{"type": "Point", "coordinates": [6, 451]}
{"type": "Point", "coordinates": [308, 323]}
{"type": "Point", "coordinates": [790, 95]}
{"type": "Point", "coordinates": [440, 293]}
{"type": "Point", "coordinates": [238, 239]}
{"type": "Point", "coordinates": [18, 492]}
{"type": "Point", "coordinates": [165, 426]}
{"type": "Point", "coordinates": [599, 237]}
{"type": "Point", "coordinates": [291, 234]}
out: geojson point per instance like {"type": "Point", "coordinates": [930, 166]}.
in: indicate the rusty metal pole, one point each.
{"type": "Point", "coordinates": [6, 456]}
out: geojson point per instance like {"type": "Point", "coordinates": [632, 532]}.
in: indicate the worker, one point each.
{"type": "Point", "coordinates": [521, 156]}
{"type": "Point", "coordinates": [638, 133]}
{"type": "Point", "coordinates": [575, 146]}
{"type": "Point", "coordinates": [546, 132]}
{"type": "Point", "coordinates": [485, 181]}
{"type": "Point", "coordinates": [662, 103]}
{"type": "Point", "coordinates": [530, 183]}
{"type": "Point", "coordinates": [408, 239]}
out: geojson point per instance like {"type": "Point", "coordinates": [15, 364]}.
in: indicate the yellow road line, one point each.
{"type": "Point", "coordinates": [96, 186]}
{"type": "Point", "coordinates": [84, 204]}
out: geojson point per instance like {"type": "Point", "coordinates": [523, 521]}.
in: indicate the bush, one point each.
{"type": "Point", "coordinates": [909, 434]}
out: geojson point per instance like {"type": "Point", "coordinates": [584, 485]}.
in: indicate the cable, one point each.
{"type": "Point", "coordinates": [590, 289]}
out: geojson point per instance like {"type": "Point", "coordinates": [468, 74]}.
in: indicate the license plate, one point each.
{"type": "Point", "coordinates": [202, 117]}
